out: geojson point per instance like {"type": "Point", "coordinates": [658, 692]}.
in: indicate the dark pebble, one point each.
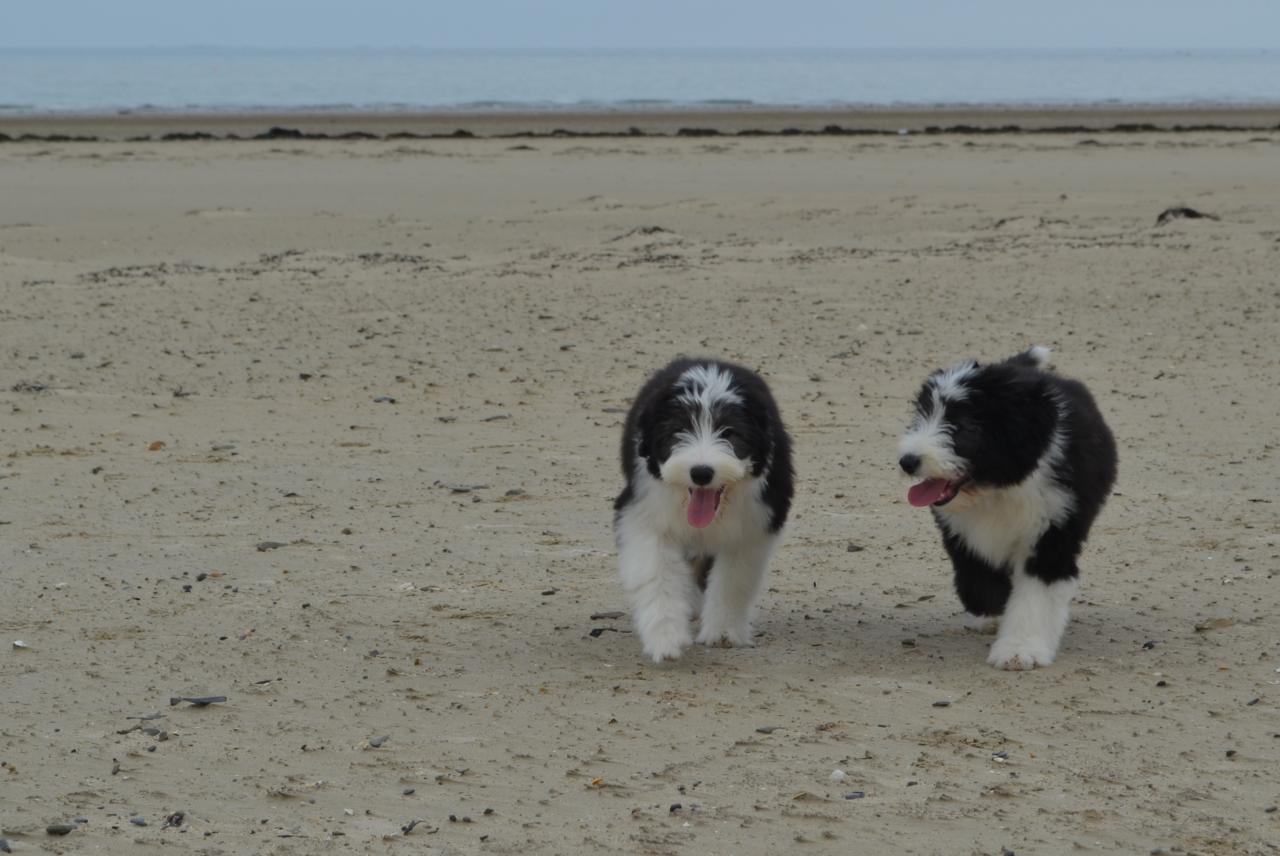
{"type": "Point", "coordinates": [549, 592]}
{"type": "Point", "coordinates": [187, 587]}
{"type": "Point", "coordinates": [60, 828]}
{"type": "Point", "coordinates": [1176, 211]}
{"type": "Point", "coordinates": [465, 488]}
{"type": "Point", "coordinates": [384, 399]}
{"type": "Point", "coordinates": [197, 701]}
{"type": "Point", "coordinates": [908, 643]}
{"type": "Point", "coordinates": [408, 792]}
{"type": "Point", "coordinates": [607, 616]}
{"type": "Point", "coordinates": [855, 795]}
{"type": "Point", "coordinates": [201, 577]}
{"type": "Point", "coordinates": [1231, 753]}
{"type": "Point", "coordinates": [264, 546]}
{"type": "Point", "coordinates": [942, 703]}
{"type": "Point", "coordinates": [675, 807]}
{"type": "Point", "coordinates": [138, 821]}
{"type": "Point", "coordinates": [1271, 809]}
{"type": "Point", "coordinates": [305, 375]}
{"type": "Point", "coordinates": [854, 548]}
{"type": "Point", "coordinates": [375, 742]}
{"type": "Point", "coordinates": [1002, 755]}
{"type": "Point", "coordinates": [488, 812]}
{"type": "Point", "coordinates": [596, 631]}
{"type": "Point", "coordinates": [1162, 683]}
{"type": "Point", "coordinates": [515, 491]}
{"type": "Point", "coordinates": [4, 846]}
{"type": "Point", "coordinates": [1252, 702]}
{"type": "Point", "coordinates": [453, 818]}
{"type": "Point", "coordinates": [767, 729]}
{"type": "Point", "coordinates": [1148, 645]}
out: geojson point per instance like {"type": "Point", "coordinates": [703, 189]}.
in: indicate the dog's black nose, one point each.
{"type": "Point", "coordinates": [909, 464]}
{"type": "Point", "coordinates": [701, 474]}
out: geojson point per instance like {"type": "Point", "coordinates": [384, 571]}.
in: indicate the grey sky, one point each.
{"type": "Point", "coordinates": [1192, 24]}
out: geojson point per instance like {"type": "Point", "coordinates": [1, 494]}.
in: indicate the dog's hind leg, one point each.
{"type": "Point", "coordinates": [982, 589]}
{"type": "Point", "coordinates": [662, 592]}
{"type": "Point", "coordinates": [732, 590]}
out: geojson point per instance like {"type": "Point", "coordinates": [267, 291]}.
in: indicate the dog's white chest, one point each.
{"type": "Point", "coordinates": [1002, 525]}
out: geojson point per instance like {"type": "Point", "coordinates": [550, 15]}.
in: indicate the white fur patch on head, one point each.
{"type": "Point", "coordinates": [704, 388]}
{"type": "Point", "coordinates": [949, 384]}
{"type": "Point", "coordinates": [929, 437]}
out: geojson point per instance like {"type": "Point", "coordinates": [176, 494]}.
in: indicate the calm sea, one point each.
{"type": "Point", "coordinates": [212, 79]}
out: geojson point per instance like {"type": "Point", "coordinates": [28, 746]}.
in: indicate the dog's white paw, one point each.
{"type": "Point", "coordinates": [1020, 655]}
{"type": "Point", "coordinates": [666, 641]}
{"type": "Point", "coordinates": [726, 637]}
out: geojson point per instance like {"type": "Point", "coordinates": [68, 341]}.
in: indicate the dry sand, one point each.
{"type": "Point", "coordinates": [205, 332]}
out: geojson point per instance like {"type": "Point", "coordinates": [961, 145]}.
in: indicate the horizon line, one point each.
{"type": "Point", "coordinates": [537, 49]}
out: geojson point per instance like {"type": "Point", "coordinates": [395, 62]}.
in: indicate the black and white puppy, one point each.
{"type": "Point", "coordinates": [709, 483]}
{"type": "Point", "coordinates": [1015, 463]}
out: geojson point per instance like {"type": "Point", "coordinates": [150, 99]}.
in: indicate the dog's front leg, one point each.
{"type": "Point", "coordinates": [731, 594]}
{"type": "Point", "coordinates": [1040, 604]}
{"type": "Point", "coordinates": [1033, 623]}
{"type": "Point", "coordinates": [662, 593]}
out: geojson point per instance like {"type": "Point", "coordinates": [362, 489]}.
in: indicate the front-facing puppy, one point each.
{"type": "Point", "coordinates": [709, 483]}
{"type": "Point", "coordinates": [1015, 463]}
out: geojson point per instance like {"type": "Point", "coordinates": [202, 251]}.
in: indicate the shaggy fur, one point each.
{"type": "Point", "coordinates": [709, 483]}
{"type": "Point", "coordinates": [1015, 463]}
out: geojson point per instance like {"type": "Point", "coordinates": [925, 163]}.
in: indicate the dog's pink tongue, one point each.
{"type": "Point", "coordinates": [702, 507]}
{"type": "Point", "coordinates": [927, 492]}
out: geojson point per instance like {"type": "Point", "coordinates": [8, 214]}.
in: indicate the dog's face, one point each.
{"type": "Point", "coordinates": [702, 437]}
{"type": "Point", "coordinates": [976, 427]}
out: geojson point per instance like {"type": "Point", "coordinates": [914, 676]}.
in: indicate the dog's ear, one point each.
{"type": "Point", "coordinates": [644, 447]}
{"type": "Point", "coordinates": [646, 428]}
{"type": "Point", "coordinates": [1019, 414]}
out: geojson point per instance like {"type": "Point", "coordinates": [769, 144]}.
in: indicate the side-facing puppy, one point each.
{"type": "Point", "coordinates": [709, 484]}
{"type": "Point", "coordinates": [1015, 463]}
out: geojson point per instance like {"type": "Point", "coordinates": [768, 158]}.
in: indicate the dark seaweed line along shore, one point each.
{"type": "Point", "coordinates": [280, 133]}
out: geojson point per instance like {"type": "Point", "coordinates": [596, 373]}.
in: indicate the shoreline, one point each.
{"type": "Point", "coordinates": [87, 127]}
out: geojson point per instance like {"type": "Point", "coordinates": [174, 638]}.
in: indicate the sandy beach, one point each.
{"type": "Point", "coordinates": [329, 428]}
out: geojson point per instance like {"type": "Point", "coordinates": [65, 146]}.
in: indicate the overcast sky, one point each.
{"type": "Point", "coordinates": [613, 24]}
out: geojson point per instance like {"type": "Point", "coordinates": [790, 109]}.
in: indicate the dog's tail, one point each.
{"type": "Point", "coordinates": [1035, 357]}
